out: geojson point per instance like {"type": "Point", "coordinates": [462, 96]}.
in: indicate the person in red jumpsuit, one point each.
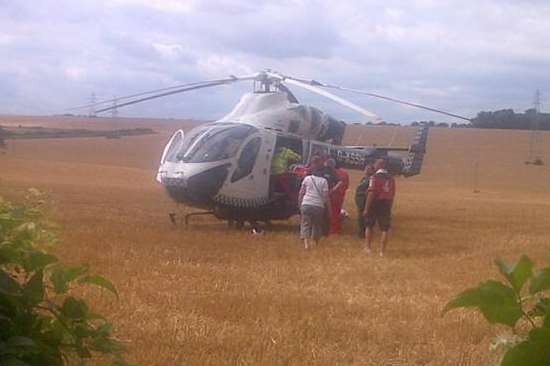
{"type": "Point", "coordinates": [337, 195]}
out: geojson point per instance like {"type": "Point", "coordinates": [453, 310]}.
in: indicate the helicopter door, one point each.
{"type": "Point", "coordinates": [318, 149]}
{"type": "Point", "coordinates": [248, 180]}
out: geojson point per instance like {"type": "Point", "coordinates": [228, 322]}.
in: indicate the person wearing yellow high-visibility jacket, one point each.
{"type": "Point", "coordinates": [282, 159]}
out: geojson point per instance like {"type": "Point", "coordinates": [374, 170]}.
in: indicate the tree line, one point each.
{"type": "Point", "coordinates": [502, 119]}
{"type": "Point", "coordinates": [508, 119]}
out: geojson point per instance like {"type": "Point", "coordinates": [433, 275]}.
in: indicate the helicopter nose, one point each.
{"type": "Point", "coordinates": [198, 188]}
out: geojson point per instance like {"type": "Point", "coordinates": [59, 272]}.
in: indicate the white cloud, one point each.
{"type": "Point", "coordinates": [75, 73]}
{"type": "Point", "coordinates": [178, 6]}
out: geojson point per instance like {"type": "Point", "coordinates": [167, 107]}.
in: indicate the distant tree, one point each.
{"type": "Point", "coordinates": [508, 119]}
{"type": "Point", "coordinates": [442, 124]}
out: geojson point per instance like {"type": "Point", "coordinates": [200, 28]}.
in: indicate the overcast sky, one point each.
{"type": "Point", "coordinates": [462, 56]}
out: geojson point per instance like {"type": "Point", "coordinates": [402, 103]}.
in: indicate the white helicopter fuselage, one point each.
{"type": "Point", "coordinates": [225, 166]}
{"type": "Point", "coordinates": [276, 112]}
{"type": "Point", "coordinates": [237, 149]}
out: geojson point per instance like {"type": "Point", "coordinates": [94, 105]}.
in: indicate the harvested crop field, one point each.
{"type": "Point", "coordinates": [207, 294]}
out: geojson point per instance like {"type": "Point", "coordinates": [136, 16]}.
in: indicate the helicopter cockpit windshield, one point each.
{"type": "Point", "coordinates": [213, 143]}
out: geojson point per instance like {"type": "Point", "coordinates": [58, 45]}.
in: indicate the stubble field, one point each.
{"type": "Point", "coordinates": [206, 294]}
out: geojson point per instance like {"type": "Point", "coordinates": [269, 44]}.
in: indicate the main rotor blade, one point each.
{"type": "Point", "coordinates": [337, 99]}
{"type": "Point", "coordinates": [118, 99]}
{"type": "Point", "coordinates": [316, 83]}
{"type": "Point", "coordinates": [160, 96]}
{"type": "Point", "coordinates": [176, 89]}
{"type": "Point", "coordinates": [399, 101]}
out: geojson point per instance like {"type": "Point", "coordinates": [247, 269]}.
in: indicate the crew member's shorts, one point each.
{"type": "Point", "coordinates": [312, 225]}
{"type": "Point", "coordinates": [380, 212]}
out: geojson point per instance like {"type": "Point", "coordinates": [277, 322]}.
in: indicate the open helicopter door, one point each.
{"type": "Point", "coordinates": [319, 149]}
{"type": "Point", "coordinates": [168, 160]}
{"type": "Point", "coordinates": [247, 184]}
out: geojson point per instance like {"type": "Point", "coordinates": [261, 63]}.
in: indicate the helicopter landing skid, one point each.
{"type": "Point", "coordinates": [202, 213]}
{"type": "Point", "coordinates": [173, 219]}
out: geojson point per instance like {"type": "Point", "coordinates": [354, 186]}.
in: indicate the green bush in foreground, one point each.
{"type": "Point", "coordinates": [41, 322]}
{"type": "Point", "coordinates": [522, 299]}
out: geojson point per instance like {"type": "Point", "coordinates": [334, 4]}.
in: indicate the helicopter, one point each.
{"type": "Point", "coordinates": [223, 167]}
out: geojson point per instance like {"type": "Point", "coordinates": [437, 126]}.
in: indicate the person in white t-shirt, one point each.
{"type": "Point", "coordinates": [314, 200]}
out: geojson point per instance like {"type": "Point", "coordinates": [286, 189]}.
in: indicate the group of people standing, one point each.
{"type": "Point", "coordinates": [322, 194]}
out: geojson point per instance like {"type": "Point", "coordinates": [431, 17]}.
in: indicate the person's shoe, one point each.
{"type": "Point", "coordinates": [381, 254]}
{"type": "Point", "coordinates": [367, 251]}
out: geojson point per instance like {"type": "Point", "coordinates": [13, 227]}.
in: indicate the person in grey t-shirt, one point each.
{"type": "Point", "coordinates": [314, 200]}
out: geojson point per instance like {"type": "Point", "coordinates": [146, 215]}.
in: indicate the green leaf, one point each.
{"type": "Point", "coordinates": [105, 329]}
{"type": "Point", "coordinates": [535, 351]}
{"type": "Point", "coordinates": [83, 352]}
{"type": "Point", "coordinates": [541, 308]}
{"type": "Point", "coordinates": [13, 362]}
{"type": "Point", "coordinates": [63, 276]}
{"type": "Point", "coordinates": [518, 274]}
{"type": "Point", "coordinates": [541, 281]}
{"type": "Point", "coordinates": [34, 289]}
{"type": "Point", "coordinates": [39, 260]}
{"type": "Point", "coordinates": [18, 341]}
{"type": "Point", "coordinates": [74, 308]}
{"type": "Point", "coordinates": [8, 254]}
{"type": "Point", "coordinates": [497, 302]}
{"type": "Point", "coordinates": [468, 298]}
{"type": "Point", "coordinates": [83, 330]}
{"type": "Point", "coordinates": [96, 316]}
{"type": "Point", "coordinates": [8, 286]}
{"type": "Point", "coordinates": [101, 282]}
{"type": "Point", "coordinates": [119, 361]}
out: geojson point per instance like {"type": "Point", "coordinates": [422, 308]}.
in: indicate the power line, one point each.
{"type": "Point", "coordinates": [535, 140]}
{"type": "Point", "coordinates": [114, 110]}
{"type": "Point", "coordinates": [92, 104]}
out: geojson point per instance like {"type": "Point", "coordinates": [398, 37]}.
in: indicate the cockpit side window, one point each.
{"type": "Point", "coordinates": [189, 139]}
{"type": "Point", "coordinates": [246, 161]}
{"type": "Point", "coordinates": [218, 143]}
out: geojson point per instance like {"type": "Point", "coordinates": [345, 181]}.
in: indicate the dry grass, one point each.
{"type": "Point", "coordinates": [208, 295]}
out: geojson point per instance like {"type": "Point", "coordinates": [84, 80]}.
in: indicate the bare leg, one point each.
{"type": "Point", "coordinates": [383, 241]}
{"type": "Point", "coordinates": [317, 242]}
{"type": "Point", "coordinates": [306, 243]}
{"type": "Point", "coordinates": [368, 240]}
